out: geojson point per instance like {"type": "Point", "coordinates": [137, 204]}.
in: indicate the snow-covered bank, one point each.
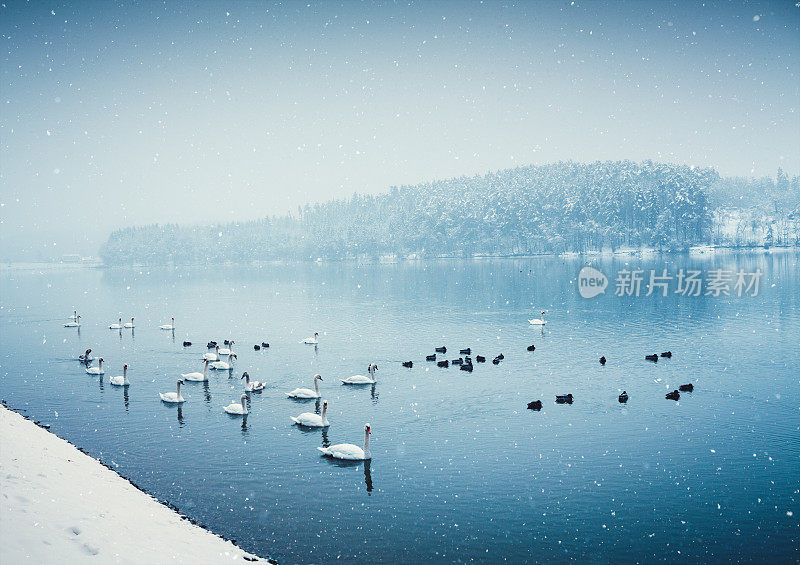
{"type": "Point", "coordinates": [59, 505]}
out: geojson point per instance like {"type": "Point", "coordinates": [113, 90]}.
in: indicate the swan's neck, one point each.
{"type": "Point", "coordinates": [366, 443]}
{"type": "Point", "coordinates": [179, 390]}
{"type": "Point", "coordinates": [100, 364]}
{"type": "Point", "coordinates": [244, 407]}
{"type": "Point", "coordinates": [205, 369]}
{"type": "Point", "coordinates": [316, 385]}
{"type": "Point", "coordinates": [246, 379]}
{"type": "Point", "coordinates": [324, 411]}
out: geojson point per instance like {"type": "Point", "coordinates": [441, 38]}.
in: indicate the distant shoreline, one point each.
{"type": "Point", "coordinates": [63, 506]}
{"type": "Point", "coordinates": [386, 260]}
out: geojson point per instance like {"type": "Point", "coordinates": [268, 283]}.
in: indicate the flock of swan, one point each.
{"type": "Point", "coordinates": [213, 360]}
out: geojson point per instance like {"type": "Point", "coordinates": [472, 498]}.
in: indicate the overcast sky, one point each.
{"type": "Point", "coordinates": [176, 112]}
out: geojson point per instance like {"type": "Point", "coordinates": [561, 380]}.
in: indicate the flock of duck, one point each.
{"type": "Point", "coordinates": [213, 360]}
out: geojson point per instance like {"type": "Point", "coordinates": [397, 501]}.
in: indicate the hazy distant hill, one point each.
{"type": "Point", "coordinates": [534, 209]}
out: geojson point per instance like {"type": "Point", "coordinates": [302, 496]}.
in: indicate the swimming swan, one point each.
{"type": "Point", "coordinates": [168, 326]}
{"type": "Point", "coordinates": [538, 322]}
{"type": "Point", "coordinates": [311, 420]}
{"type": "Point", "coordinates": [311, 340]}
{"type": "Point", "coordinates": [196, 377]}
{"type": "Point", "coordinates": [75, 324]}
{"type": "Point", "coordinates": [348, 450]}
{"type": "Point", "coordinates": [96, 370]}
{"type": "Point", "coordinates": [306, 392]}
{"type": "Point", "coordinates": [121, 380]}
{"type": "Point", "coordinates": [226, 350]}
{"type": "Point", "coordinates": [252, 386]}
{"type": "Point", "coordinates": [212, 356]}
{"type": "Point", "coordinates": [237, 409]}
{"type": "Point", "coordinates": [129, 325]}
{"type": "Point", "coordinates": [172, 397]}
{"type": "Point", "coordinates": [116, 326]}
{"type": "Point", "coordinates": [223, 365]}
{"type": "Point", "coordinates": [361, 379]}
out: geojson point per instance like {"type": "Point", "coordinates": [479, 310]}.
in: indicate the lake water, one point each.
{"type": "Point", "coordinates": [461, 470]}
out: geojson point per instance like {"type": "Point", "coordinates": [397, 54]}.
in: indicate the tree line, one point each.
{"type": "Point", "coordinates": [553, 208]}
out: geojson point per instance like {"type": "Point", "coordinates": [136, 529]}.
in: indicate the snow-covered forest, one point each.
{"type": "Point", "coordinates": [553, 208]}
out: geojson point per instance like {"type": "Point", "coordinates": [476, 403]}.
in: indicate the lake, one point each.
{"type": "Point", "coordinates": [461, 470]}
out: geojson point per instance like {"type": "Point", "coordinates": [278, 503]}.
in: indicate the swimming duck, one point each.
{"type": "Point", "coordinates": [535, 405]}
{"type": "Point", "coordinates": [623, 398]}
{"type": "Point", "coordinates": [480, 359]}
{"type": "Point", "coordinates": [667, 354]}
{"type": "Point", "coordinates": [674, 395]}
{"type": "Point", "coordinates": [408, 364]}
{"type": "Point", "coordinates": [602, 360]}
{"type": "Point", "coordinates": [442, 349]}
{"type": "Point", "coordinates": [466, 351]}
{"type": "Point", "coordinates": [564, 398]}
{"type": "Point", "coordinates": [686, 388]}
{"type": "Point", "coordinates": [531, 348]}
{"type": "Point", "coordinates": [444, 363]}
{"type": "Point", "coordinates": [653, 358]}
{"type": "Point", "coordinates": [430, 357]}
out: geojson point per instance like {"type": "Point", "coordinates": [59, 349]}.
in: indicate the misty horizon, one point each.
{"type": "Point", "coordinates": [138, 115]}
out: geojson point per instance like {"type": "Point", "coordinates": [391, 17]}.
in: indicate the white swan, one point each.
{"type": "Point", "coordinates": [226, 350]}
{"type": "Point", "coordinates": [166, 326]}
{"type": "Point", "coordinates": [172, 397]}
{"type": "Point", "coordinates": [348, 450]}
{"type": "Point", "coordinates": [129, 325]}
{"type": "Point", "coordinates": [361, 379]}
{"type": "Point", "coordinates": [306, 392]}
{"type": "Point", "coordinates": [237, 409]}
{"type": "Point", "coordinates": [223, 365]}
{"type": "Point", "coordinates": [96, 370]}
{"type": "Point", "coordinates": [212, 356]}
{"type": "Point", "coordinates": [75, 324]}
{"type": "Point", "coordinates": [538, 322]}
{"type": "Point", "coordinates": [116, 326]}
{"type": "Point", "coordinates": [252, 386]}
{"type": "Point", "coordinates": [121, 380]}
{"type": "Point", "coordinates": [197, 376]}
{"type": "Point", "coordinates": [311, 420]}
{"type": "Point", "coordinates": [86, 357]}
{"type": "Point", "coordinates": [311, 340]}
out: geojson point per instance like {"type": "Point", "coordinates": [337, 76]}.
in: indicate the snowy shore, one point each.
{"type": "Point", "coordinates": [59, 505]}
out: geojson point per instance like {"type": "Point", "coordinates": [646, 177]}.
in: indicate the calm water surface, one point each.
{"type": "Point", "coordinates": [461, 471]}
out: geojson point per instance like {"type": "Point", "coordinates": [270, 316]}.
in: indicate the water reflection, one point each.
{"type": "Point", "coordinates": [100, 382]}
{"type": "Point", "coordinates": [373, 394]}
{"type": "Point", "coordinates": [368, 476]}
{"type": "Point", "coordinates": [180, 415]}
{"type": "Point", "coordinates": [325, 441]}
{"type": "Point", "coordinates": [206, 392]}
{"type": "Point", "coordinates": [125, 397]}
{"type": "Point", "coordinates": [245, 428]}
